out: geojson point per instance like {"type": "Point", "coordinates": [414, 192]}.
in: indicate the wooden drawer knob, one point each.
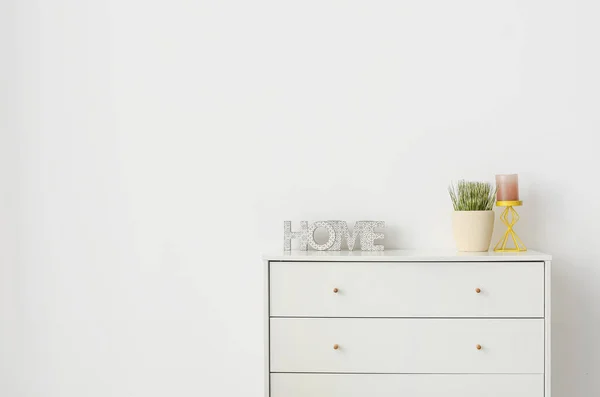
{"type": "Point", "coordinates": [336, 346]}
{"type": "Point", "coordinates": [478, 347]}
{"type": "Point", "coordinates": [335, 290]}
{"type": "Point", "coordinates": [478, 290]}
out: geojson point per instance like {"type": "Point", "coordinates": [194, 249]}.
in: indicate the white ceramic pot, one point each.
{"type": "Point", "coordinates": [473, 230]}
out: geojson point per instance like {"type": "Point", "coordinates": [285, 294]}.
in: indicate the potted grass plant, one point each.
{"type": "Point", "coordinates": [473, 218]}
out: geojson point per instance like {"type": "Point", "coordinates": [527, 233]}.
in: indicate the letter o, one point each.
{"type": "Point", "coordinates": [311, 235]}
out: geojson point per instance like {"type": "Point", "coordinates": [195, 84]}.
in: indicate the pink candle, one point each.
{"type": "Point", "coordinates": [507, 187]}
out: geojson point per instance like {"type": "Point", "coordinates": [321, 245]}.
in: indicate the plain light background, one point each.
{"type": "Point", "coordinates": [151, 150]}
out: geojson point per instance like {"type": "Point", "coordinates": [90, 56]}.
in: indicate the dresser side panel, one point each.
{"type": "Point", "coordinates": [548, 328]}
{"type": "Point", "coordinates": [267, 325]}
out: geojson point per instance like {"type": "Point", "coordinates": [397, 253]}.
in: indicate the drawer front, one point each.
{"type": "Point", "coordinates": [368, 385]}
{"type": "Point", "coordinates": [407, 345]}
{"type": "Point", "coordinates": [426, 289]}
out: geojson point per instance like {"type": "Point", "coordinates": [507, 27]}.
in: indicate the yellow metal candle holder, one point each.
{"type": "Point", "coordinates": [509, 222]}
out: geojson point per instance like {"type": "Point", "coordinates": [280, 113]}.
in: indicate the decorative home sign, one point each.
{"type": "Point", "coordinates": [337, 230]}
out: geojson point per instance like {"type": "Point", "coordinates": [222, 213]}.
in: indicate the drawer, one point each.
{"type": "Point", "coordinates": [392, 345]}
{"type": "Point", "coordinates": [388, 289]}
{"type": "Point", "coordinates": [382, 385]}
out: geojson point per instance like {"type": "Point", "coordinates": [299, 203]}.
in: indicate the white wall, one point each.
{"type": "Point", "coordinates": [8, 196]}
{"type": "Point", "coordinates": [157, 146]}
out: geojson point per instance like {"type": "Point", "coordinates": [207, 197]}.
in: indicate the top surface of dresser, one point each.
{"type": "Point", "coordinates": [406, 256]}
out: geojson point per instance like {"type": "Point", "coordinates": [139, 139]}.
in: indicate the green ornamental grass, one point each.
{"type": "Point", "coordinates": [472, 196]}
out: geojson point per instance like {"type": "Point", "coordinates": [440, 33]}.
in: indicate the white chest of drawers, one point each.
{"type": "Point", "coordinates": [407, 323]}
